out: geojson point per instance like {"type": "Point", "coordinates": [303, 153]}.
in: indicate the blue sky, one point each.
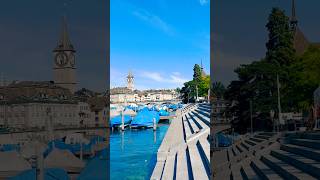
{"type": "Point", "coordinates": [158, 40]}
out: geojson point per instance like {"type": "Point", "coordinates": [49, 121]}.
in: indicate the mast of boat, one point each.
{"type": "Point", "coordinates": [81, 150]}
{"type": "Point", "coordinates": [154, 124]}
{"type": "Point", "coordinates": [122, 120]}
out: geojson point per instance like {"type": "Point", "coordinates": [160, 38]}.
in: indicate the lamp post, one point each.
{"type": "Point", "coordinates": [251, 123]}
{"type": "Point", "coordinates": [272, 113]}
{"type": "Point", "coordinates": [279, 103]}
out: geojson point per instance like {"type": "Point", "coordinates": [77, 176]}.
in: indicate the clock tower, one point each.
{"type": "Point", "coordinates": [64, 69]}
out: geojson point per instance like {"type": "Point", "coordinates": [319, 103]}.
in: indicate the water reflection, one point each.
{"type": "Point", "coordinates": [133, 152]}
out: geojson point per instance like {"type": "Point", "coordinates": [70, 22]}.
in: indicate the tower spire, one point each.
{"type": "Point", "coordinates": [64, 42]}
{"type": "Point", "coordinates": [293, 20]}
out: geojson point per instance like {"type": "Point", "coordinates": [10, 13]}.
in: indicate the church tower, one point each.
{"type": "Point", "coordinates": [130, 81]}
{"type": "Point", "coordinates": [293, 18]}
{"type": "Point", "coordinates": [64, 69]}
{"type": "Point", "coordinates": [203, 74]}
{"type": "Point", "coordinates": [300, 42]}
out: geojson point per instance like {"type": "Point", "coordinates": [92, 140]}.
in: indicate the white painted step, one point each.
{"type": "Point", "coordinates": [286, 168]}
{"type": "Point", "coordinates": [198, 168]}
{"type": "Point", "coordinates": [182, 168]}
{"type": "Point", "coordinates": [205, 146]}
{"type": "Point", "coordinates": [201, 123]}
{"type": "Point", "coordinates": [168, 171]}
{"type": "Point", "coordinates": [265, 170]}
{"type": "Point", "coordinates": [248, 171]}
{"type": "Point", "coordinates": [186, 128]}
{"type": "Point", "coordinates": [193, 125]}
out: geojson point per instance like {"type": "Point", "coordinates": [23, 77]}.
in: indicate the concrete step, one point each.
{"type": "Point", "coordinates": [307, 135]}
{"type": "Point", "coordinates": [248, 173]}
{"type": "Point", "coordinates": [169, 167]}
{"type": "Point", "coordinates": [198, 167]}
{"type": "Point", "coordinates": [245, 145]}
{"type": "Point", "coordinates": [187, 128]}
{"type": "Point", "coordinates": [263, 171]}
{"type": "Point", "coordinates": [284, 169]}
{"type": "Point", "coordinates": [235, 150]}
{"type": "Point", "coordinates": [207, 115]}
{"type": "Point", "coordinates": [206, 109]}
{"type": "Point", "coordinates": [202, 118]}
{"type": "Point", "coordinates": [314, 136]}
{"type": "Point", "coordinates": [251, 143]}
{"type": "Point", "coordinates": [194, 127]}
{"type": "Point", "coordinates": [206, 148]}
{"type": "Point", "coordinates": [204, 152]}
{"type": "Point", "coordinates": [301, 150]}
{"type": "Point", "coordinates": [258, 140]}
{"type": "Point", "coordinates": [230, 154]}
{"type": "Point", "coordinates": [200, 123]}
{"type": "Point", "coordinates": [306, 142]}
{"type": "Point", "coordinates": [240, 148]}
{"type": "Point", "coordinates": [157, 171]}
{"type": "Point", "coordinates": [182, 167]}
{"type": "Point", "coordinates": [270, 134]}
{"type": "Point", "coordinates": [262, 137]}
{"type": "Point", "coordinates": [304, 164]}
{"type": "Point", "coordinates": [235, 172]}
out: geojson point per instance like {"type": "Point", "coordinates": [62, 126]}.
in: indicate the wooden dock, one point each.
{"type": "Point", "coordinates": [185, 150]}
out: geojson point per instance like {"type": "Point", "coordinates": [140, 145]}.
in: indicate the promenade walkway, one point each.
{"type": "Point", "coordinates": [185, 150]}
{"type": "Point", "coordinates": [270, 156]}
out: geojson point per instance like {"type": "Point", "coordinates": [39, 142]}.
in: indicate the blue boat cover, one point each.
{"type": "Point", "coordinates": [144, 118]}
{"type": "Point", "coordinates": [74, 148]}
{"type": "Point", "coordinates": [50, 174]}
{"type": "Point", "coordinates": [223, 140]}
{"type": "Point", "coordinates": [9, 147]}
{"type": "Point", "coordinates": [96, 169]}
{"type": "Point", "coordinates": [164, 113]}
{"type": "Point", "coordinates": [117, 120]}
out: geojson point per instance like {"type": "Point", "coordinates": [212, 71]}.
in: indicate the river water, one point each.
{"type": "Point", "coordinates": [133, 152]}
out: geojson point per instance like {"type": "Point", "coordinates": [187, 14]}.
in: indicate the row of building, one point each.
{"type": "Point", "coordinates": [129, 94]}
{"type": "Point", "coordinates": [37, 105]}
{"type": "Point", "coordinates": [122, 95]}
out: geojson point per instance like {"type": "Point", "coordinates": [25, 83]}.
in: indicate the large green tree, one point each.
{"type": "Point", "coordinates": [199, 84]}
{"type": "Point", "coordinates": [280, 48]}
{"type": "Point", "coordinates": [257, 81]}
{"type": "Point", "coordinates": [197, 73]}
{"type": "Point", "coordinates": [218, 90]}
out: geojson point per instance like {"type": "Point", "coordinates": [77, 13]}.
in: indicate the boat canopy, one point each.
{"type": "Point", "coordinates": [117, 120]}
{"type": "Point", "coordinates": [144, 118]}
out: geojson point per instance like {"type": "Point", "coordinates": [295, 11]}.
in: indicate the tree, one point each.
{"type": "Point", "coordinates": [280, 48]}
{"type": "Point", "coordinates": [304, 79]}
{"type": "Point", "coordinates": [199, 84]}
{"type": "Point", "coordinates": [197, 73]}
{"type": "Point", "coordinates": [218, 89]}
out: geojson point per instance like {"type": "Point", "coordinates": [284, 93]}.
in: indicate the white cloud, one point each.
{"type": "Point", "coordinates": [177, 79]}
{"type": "Point", "coordinates": [203, 2]}
{"type": "Point", "coordinates": [176, 73]}
{"type": "Point", "coordinates": [154, 20]}
{"type": "Point", "coordinates": [117, 78]}
{"type": "Point", "coordinates": [153, 76]}
{"type": "Point", "coordinates": [172, 78]}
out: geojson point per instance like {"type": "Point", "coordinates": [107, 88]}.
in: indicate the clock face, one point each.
{"type": "Point", "coordinates": [72, 59]}
{"type": "Point", "coordinates": [61, 59]}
